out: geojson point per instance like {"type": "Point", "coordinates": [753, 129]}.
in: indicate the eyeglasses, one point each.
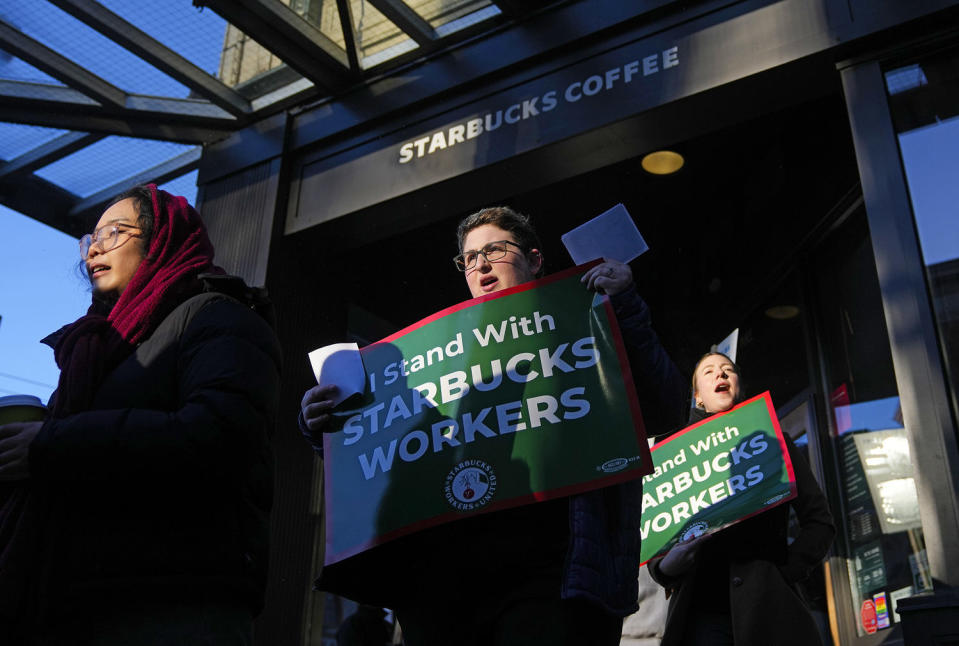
{"type": "Point", "coordinates": [106, 238]}
{"type": "Point", "coordinates": [491, 251]}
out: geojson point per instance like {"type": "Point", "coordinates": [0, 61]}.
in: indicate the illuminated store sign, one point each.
{"type": "Point", "coordinates": [547, 109]}
{"type": "Point", "coordinates": [535, 106]}
{"type": "Point", "coordinates": [544, 107]}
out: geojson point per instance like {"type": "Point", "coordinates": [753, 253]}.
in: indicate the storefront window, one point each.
{"type": "Point", "coordinates": [881, 533]}
{"type": "Point", "coordinates": [924, 101]}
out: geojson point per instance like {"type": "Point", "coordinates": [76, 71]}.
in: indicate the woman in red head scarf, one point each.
{"type": "Point", "coordinates": [140, 508]}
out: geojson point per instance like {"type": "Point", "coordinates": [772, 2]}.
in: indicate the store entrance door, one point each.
{"type": "Point", "coordinates": [818, 342]}
{"type": "Point", "coordinates": [880, 550]}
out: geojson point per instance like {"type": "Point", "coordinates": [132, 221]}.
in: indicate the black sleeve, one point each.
{"type": "Point", "coordinates": [227, 366]}
{"type": "Point", "coordinates": [662, 390]}
{"type": "Point", "coordinates": [816, 528]}
{"type": "Point", "coordinates": [315, 438]}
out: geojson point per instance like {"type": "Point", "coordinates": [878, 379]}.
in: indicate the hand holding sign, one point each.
{"type": "Point", "coordinates": [316, 405]}
{"type": "Point", "coordinates": [611, 277]}
{"type": "Point", "coordinates": [682, 557]}
{"type": "Point", "coordinates": [339, 372]}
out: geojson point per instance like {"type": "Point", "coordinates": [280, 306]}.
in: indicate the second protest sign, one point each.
{"type": "Point", "coordinates": [715, 473]}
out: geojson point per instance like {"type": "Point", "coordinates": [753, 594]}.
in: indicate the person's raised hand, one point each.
{"type": "Point", "coordinates": [609, 277]}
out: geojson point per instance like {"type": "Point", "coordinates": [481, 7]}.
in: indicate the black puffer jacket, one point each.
{"type": "Point", "coordinates": [162, 490]}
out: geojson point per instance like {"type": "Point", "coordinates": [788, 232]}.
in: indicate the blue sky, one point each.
{"type": "Point", "coordinates": [41, 291]}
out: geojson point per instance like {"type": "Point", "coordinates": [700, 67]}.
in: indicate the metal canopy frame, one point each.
{"type": "Point", "coordinates": [122, 32]}
{"type": "Point", "coordinates": [516, 8]}
{"type": "Point", "coordinates": [48, 153]}
{"type": "Point", "coordinates": [60, 67]}
{"type": "Point", "coordinates": [91, 108]}
{"type": "Point", "coordinates": [408, 21]}
{"type": "Point", "coordinates": [300, 44]}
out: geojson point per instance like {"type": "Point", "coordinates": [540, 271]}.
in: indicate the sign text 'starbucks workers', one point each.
{"type": "Point", "coordinates": [715, 473]}
{"type": "Point", "coordinates": [504, 400]}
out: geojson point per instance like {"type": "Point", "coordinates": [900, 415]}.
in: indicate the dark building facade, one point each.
{"type": "Point", "coordinates": [815, 213]}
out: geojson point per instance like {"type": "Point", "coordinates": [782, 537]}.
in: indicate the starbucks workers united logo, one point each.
{"type": "Point", "coordinates": [470, 485]}
{"type": "Point", "coordinates": [695, 530]}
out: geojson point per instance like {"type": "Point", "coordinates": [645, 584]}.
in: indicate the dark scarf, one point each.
{"type": "Point", "coordinates": [87, 351]}
{"type": "Point", "coordinates": [697, 414]}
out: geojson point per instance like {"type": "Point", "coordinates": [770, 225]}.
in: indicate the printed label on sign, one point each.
{"type": "Point", "coordinates": [867, 615]}
{"type": "Point", "coordinates": [882, 610]}
{"type": "Point", "coordinates": [470, 485]}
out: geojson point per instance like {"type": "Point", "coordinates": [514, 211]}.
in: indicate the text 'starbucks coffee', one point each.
{"type": "Point", "coordinates": [21, 408]}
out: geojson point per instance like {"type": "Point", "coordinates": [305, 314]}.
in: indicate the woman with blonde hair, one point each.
{"type": "Point", "coordinates": [737, 586]}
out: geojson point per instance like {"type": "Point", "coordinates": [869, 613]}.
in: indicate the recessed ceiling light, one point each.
{"type": "Point", "coordinates": [663, 162]}
{"type": "Point", "coordinates": [782, 312]}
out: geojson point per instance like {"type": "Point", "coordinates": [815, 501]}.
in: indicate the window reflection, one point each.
{"type": "Point", "coordinates": [883, 542]}
{"type": "Point", "coordinates": [924, 101]}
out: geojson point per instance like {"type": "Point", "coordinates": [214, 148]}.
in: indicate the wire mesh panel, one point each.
{"type": "Point", "coordinates": [73, 39]}
{"type": "Point", "coordinates": [107, 162]}
{"type": "Point", "coordinates": [16, 140]}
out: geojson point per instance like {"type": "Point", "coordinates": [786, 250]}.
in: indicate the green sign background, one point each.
{"type": "Point", "coordinates": [570, 424]}
{"type": "Point", "coordinates": [715, 473]}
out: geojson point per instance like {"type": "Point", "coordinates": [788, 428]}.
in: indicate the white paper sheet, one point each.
{"type": "Point", "coordinates": [730, 345]}
{"type": "Point", "coordinates": [611, 234]}
{"type": "Point", "coordinates": [342, 365]}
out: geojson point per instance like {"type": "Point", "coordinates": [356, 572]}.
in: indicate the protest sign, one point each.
{"type": "Point", "coordinates": [715, 473]}
{"type": "Point", "coordinates": [507, 399]}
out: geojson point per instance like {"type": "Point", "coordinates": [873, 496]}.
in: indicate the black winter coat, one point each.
{"type": "Point", "coordinates": [162, 490]}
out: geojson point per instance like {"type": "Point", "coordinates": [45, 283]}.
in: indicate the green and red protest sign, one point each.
{"type": "Point", "coordinates": [507, 399]}
{"type": "Point", "coordinates": [715, 473]}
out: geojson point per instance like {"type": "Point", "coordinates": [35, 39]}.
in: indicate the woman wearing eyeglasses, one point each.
{"type": "Point", "coordinates": [141, 515]}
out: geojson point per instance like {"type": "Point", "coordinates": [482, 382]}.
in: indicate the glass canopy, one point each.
{"type": "Point", "coordinates": [95, 95]}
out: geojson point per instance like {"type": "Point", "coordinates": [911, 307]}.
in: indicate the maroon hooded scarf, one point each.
{"type": "Point", "coordinates": [91, 347]}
